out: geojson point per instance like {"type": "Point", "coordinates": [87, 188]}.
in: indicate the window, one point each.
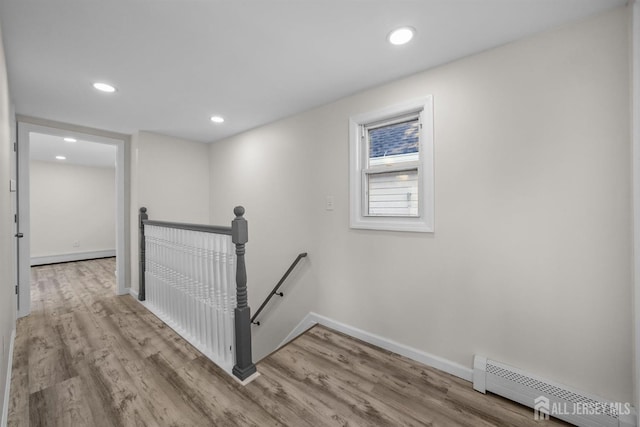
{"type": "Point", "coordinates": [391, 162]}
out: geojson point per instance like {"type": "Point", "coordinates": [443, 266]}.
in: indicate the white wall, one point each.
{"type": "Point", "coordinates": [71, 203]}
{"type": "Point", "coordinates": [169, 176]}
{"type": "Point", "coordinates": [272, 174]}
{"type": "Point", "coordinates": [530, 262]}
{"type": "Point", "coordinates": [7, 240]}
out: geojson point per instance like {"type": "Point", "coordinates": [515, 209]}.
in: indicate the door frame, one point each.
{"type": "Point", "coordinates": [27, 125]}
{"type": "Point", "coordinates": [14, 207]}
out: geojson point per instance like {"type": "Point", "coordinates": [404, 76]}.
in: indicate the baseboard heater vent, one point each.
{"type": "Point", "coordinates": [548, 398]}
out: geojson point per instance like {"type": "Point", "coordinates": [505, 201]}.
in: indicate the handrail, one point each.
{"type": "Point", "coordinates": [275, 289]}
{"type": "Point", "coordinates": [218, 229]}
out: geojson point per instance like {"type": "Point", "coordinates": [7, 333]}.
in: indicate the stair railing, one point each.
{"type": "Point", "coordinates": [186, 279]}
{"type": "Point", "coordinates": [274, 291]}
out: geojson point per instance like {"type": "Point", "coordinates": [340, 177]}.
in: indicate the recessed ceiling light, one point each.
{"type": "Point", "coordinates": [61, 158]}
{"type": "Point", "coordinates": [104, 87]}
{"type": "Point", "coordinates": [70, 140]}
{"type": "Point", "coordinates": [217, 119]}
{"type": "Point", "coordinates": [401, 35]}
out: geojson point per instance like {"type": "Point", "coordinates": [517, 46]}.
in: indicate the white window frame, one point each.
{"type": "Point", "coordinates": [358, 158]}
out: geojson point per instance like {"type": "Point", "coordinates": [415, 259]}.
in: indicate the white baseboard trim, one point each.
{"type": "Point", "coordinates": [133, 293]}
{"type": "Point", "coordinates": [437, 362]}
{"type": "Point", "coordinates": [7, 386]}
{"type": "Point", "coordinates": [78, 256]}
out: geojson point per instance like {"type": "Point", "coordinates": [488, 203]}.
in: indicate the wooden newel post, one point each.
{"type": "Point", "coordinates": [141, 217]}
{"type": "Point", "coordinates": [244, 366]}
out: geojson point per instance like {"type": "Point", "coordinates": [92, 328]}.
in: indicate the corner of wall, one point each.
{"type": "Point", "coordinates": [635, 131]}
{"type": "Point", "coordinates": [134, 206]}
{"type": "Point", "coordinates": [7, 239]}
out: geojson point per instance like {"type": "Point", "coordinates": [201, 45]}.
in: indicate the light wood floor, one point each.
{"type": "Point", "coordinates": [85, 357]}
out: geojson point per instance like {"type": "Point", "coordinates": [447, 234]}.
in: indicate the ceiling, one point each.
{"type": "Point", "coordinates": [175, 63]}
{"type": "Point", "coordinates": [80, 152]}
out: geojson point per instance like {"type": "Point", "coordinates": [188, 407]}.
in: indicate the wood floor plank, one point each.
{"type": "Point", "coordinates": [19, 394]}
{"type": "Point", "coordinates": [42, 333]}
{"type": "Point", "coordinates": [80, 334]}
{"type": "Point", "coordinates": [313, 377]}
{"type": "Point", "coordinates": [318, 410]}
{"type": "Point", "coordinates": [49, 368]}
{"type": "Point", "coordinates": [98, 397]}
{"type": "Point", "coordinates": [218, 394]}
{"type": "Point", "coordinates": [378, 360]}
{"type": "Point", "coordinates": [170, 400]}
{"type": "Point", "coordinates": [141, 331]}
{"type": "Point", "coordinates": [423, 397]}
{"type": "Point", "coordinates": [288, 409]}
{"type": "Point", "coordinates": [47, 355]}
{"type": "Point", "coordinates": [61, 405]}
{"type": "Point", "coordinates": [125, 401]}
{"type": "Point", "coordinates": [370, 381]}
{"type": "Point", "coordinates": [86, 357]}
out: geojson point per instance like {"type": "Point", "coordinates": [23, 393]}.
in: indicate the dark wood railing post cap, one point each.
{"type": "Point", "coordinates": [239, 228]}
{"type": "Point", "coordinates": [143, 210]}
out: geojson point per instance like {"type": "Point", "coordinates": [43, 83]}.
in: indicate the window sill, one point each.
{"type": "Point", "coordinates": [418, 225]}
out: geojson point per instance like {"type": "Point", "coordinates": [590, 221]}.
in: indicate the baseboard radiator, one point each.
{"type": "Point", "coordinates": [548, 398]}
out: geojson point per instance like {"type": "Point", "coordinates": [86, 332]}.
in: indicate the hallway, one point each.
{"type": "Point", "coordinates": [86, 357]}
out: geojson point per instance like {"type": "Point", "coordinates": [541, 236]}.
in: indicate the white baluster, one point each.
{"type": "Point", "coordinates": [210, 290]}
{"type": "Point", "coordinates": [190, 283]}
{"type": "Point", "coordinates": [230, 298]}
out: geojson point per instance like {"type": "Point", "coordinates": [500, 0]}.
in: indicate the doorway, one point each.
{"type": "Point", "coordinates": [30, 129]}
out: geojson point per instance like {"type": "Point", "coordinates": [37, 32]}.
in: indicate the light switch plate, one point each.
{"type": "Point", "coordinates": [12, 185]}
{"type": "Point", "coordinates": [329, 203]}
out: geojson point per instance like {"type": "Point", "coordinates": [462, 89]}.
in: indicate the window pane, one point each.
{"type": "Point", "coordinates": [393, 193]}
{"type": "Point", "coordinates": [398, 142]}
